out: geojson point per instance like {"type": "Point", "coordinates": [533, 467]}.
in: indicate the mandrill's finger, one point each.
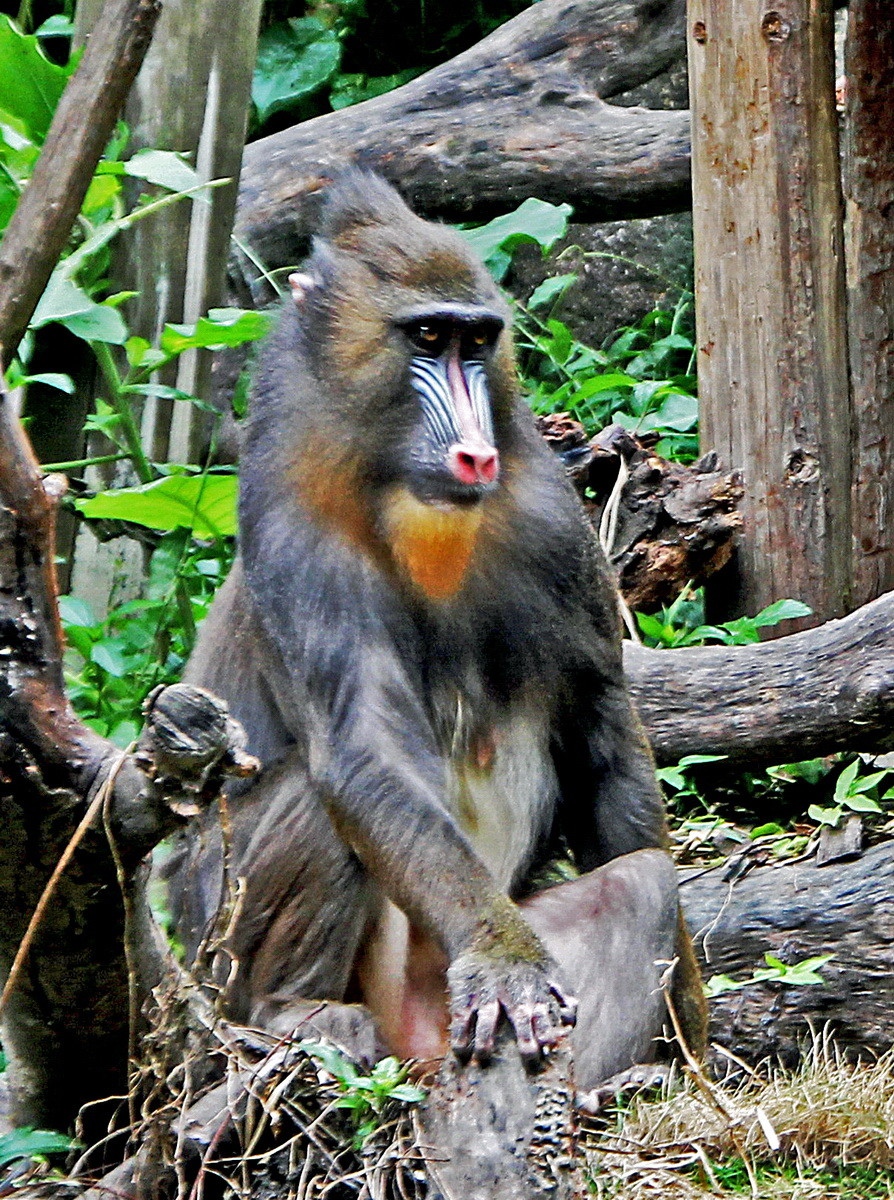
{"type": "Point", "coordinates": [461, 1026]}
{"type": "Point", "coordinates": [567, 1003]}
{"type": "Point", "coordinates": [486, 1030]}
{"type": "Point", "coordinates": [546, 1032]}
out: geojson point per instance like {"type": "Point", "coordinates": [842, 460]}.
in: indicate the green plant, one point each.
{"type": "Point", "coordinates": [25, 1142]}
{"type": "Point", "coordinates": [676, 778]}
{"type": "Point", "coordinates": [801, 974]}
{"type": "Point", "coordinates": [365, 1095]}
{"type": "Point", "coordinates": [679, 624]}
{"type": "Point", "coordinates": [852, 795]}
{"type": "Point", "coordinates": [112, 665]}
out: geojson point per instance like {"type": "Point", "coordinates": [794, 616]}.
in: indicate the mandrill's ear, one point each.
{"type": "Point", "coordinates": [301, 285]}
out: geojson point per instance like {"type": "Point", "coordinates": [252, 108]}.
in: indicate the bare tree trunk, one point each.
{"type": "Point", "coordinates": [869, 249]}
{"type": "Point", "coordinates": [770, 304]}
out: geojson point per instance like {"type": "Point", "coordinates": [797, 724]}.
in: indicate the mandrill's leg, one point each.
{"type": "Point", "coordinates": [613, 933]}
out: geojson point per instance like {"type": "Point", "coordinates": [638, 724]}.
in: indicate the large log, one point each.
{"type": "Point", "coordinates": [522, 113]}
{"type": "Point", "coordinates": [795, 911]}
{"type": "Point", "coordinates": [801, 696]}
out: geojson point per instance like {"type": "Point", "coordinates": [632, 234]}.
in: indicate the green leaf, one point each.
{"type": "Point", "coordinates": [782, 610]}
{"type": "Point", "coordinates": [406, 1092]}
{"type": "Point", "coordinates": [845, 779]}
{"type": "Point", "coordinates": [30, 85]}
{"type": "Point", "coordinates": [163, 168]}
{"type": "Point", "coordinates": [73, 611]}
{"type": "Point", "coordinates": [861, 804]}
{"type": "Point", "coordinates": [678, 412]}
{"type": "Point", "coordinates": [55, 26]}
{"type": "Point", "coordinates": [69, 305]}
{"type": "Point", "coordinates": [206, 504]}
{"type": "Point", "coordinates": [296, 58]}
{"type": "Point", "coordinates": [26, 1143]}
{"type": "Point", "coordinates": [62, 383]}
{"type": "Point", "coordinates": [222, 327]}
{"type": "Point", "coordinates": [651, 627]}
{"type": "Point", "coordinates": [533, 221]}
{"type": "Point", "coordinates": [824, 816]}
{"type": "Point", "coordinates": [108, 655]}
{"type": "Point", "coordinates": [550, 290]}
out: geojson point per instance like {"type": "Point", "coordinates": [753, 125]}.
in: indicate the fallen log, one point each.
{"type": "Point", "coordinates": [796, 911]}
{"type": "Point", "coordinates": [522, 113]}
{"type": "Point", "coordinates": [802, 696]}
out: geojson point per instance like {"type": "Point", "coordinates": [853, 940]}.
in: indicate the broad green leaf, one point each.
{"type": "Point", "coordinates": [56, 26]}
{"type": "Point", "coordinates": [108, 654]}
{"type": "Point", "coordinates": [30, 85]}
{"type": "Point", "coordinates": [75, 612]}
{"type": "Point", "coordinates": [782, 610]}
{"type": "Point", "coordinates": [296, 58]}
{"type": "Point", "coordinates": [533, 221]}
{"type": "Point", "coordinates": [824, 816]}
{"type": "Point", "coordinates": [222, 327]}
{"type": "Point", "coordinates": [62, 383]}
{"type": "Point", "coordinates": [678, 412]}
{"type": "Point", "coordinates": [26, 1142]}
{"type": "Point", "coordinates": [100, 323]}
{"type": "Point", "coordinates": [206, 504]}
{"type": "Point", "coordinates": [601, 383]}
{"type": "Point", "coordinates": [163, 168]}
{"type": "Point", "coordinates": [845, 779]}
{"type": "Point", "coordinates": [861, 804]}
{"type": "Point", "coordinates": [550, 290]}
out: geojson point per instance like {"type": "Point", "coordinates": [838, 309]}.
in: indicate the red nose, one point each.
{"type": "Point", "coordinates": [473, 464]}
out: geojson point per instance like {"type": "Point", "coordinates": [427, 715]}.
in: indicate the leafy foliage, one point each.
{"type": "Point", "coordinates": [112, 665]}
{"type": "Point", "coordinates": [296, 60]}
{"type": "Point", "coordinates": [802, 974]}
{"type": "Point", "coordinates": [365, 1095]}
{"type": "Point", "coordinates": [26, 1142]}
{"type": "Point", "coordinates": [679, 623]}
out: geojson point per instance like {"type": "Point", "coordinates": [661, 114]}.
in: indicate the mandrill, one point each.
{"type": "Point", "coordinates": [422, 642]}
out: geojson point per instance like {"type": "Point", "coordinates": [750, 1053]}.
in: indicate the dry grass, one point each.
{"type": "Point", "coordinates": [825, 1130]}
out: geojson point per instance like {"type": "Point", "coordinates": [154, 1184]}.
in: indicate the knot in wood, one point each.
{"type": "Point", "coordinates": [774, 26]}
{"type": "Point", "coordinates": [699, 32]}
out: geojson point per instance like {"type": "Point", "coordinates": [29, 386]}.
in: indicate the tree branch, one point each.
{"type": "Point", "coordinates": [522, 113]}
{"type": "Point", "coordinates": [81, 127]}
{"type": "Point", "coordinates": [801, 696]}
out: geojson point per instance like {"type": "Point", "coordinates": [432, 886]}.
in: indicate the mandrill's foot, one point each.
{"type": "Point", "coordinates": [349, 1026]}
{"type": "Point", "coordinates": [641, 1077]}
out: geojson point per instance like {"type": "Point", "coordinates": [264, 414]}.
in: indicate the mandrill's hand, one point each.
{"type": "Point", "coordinates": [484, 984]}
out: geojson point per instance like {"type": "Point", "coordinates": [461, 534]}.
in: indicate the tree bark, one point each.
{"type": "Point", "coordinates": [522, 113]}
{"type": "Point", "coordinates": [869, 251]}
{"type": "Point", "coordinates": [769, 286]}
{"type": "Point", "coordinates": [796, 911]}
{"type": "Point", "coordinates": [801, 696]}
{"type": "Point", "coordinates": [81, 127]}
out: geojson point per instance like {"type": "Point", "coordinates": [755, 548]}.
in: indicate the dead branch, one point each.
{"type": "Point", "coordinates": [801, 696]}
{"type": "Point", "coordinates": [522, 113]}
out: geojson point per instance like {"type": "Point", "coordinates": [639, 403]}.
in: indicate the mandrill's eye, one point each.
{"type": "Point", "coordinates": [429, 336]}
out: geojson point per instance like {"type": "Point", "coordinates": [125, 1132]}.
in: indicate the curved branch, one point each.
{"type": "Point", "coordinates": [522, 113]}
{"type": "Point", "coordinates": [801, 696]}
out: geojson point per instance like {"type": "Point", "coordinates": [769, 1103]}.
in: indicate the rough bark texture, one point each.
{"type": "Point", "coordinates": [520, 114]}
{"type": "Point", "coordinates": [669, 526]}
{"type": "Point", "coordinates": [67, 1017]}
{"type": "Point", "coordinates": [869, 251]}
{"type": "Point", "coordinates": [801, 696]}
{"type": "Point", "coordinates": [81, 127]}
{"type": "Point", "coordinates": [795, 911]}
{"type": "Point", "coordinates": [770, 311]}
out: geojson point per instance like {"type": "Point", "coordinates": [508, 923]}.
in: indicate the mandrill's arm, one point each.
{"type": "Point", "coordinates": [374, 760]}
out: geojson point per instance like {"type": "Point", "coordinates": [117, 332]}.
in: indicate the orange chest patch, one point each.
{"type": "Point", "coordinates": [433, 545]}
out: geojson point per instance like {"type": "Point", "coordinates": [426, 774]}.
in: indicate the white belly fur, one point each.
{"type": "Point", "coordinates": [502, 808]}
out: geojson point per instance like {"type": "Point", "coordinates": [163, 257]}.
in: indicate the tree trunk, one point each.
{"type": "Point", "coordinates": [522, 113]}
{"type": "Point", "coordinates": [770, 310]}
{"type": "Point", "coordinates": [795, 911]}
{"type": "Point", "coordinates": [869, 250]}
